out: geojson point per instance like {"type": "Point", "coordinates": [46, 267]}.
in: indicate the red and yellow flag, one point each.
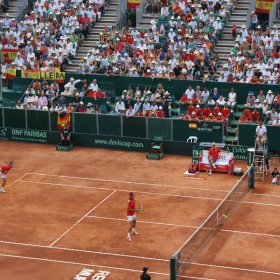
{"type": "Point", "coordinates": [9, 54]}
{"type": "Point", "coordinates": [11, 73]}
{"type": "Point", "coordinates": [264, 6]}
{"type": "Point", "coordinates": [132, 4]}
{"type": "Point", "coordinates": [61, 121]}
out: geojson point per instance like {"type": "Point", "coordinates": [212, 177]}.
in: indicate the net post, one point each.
{"type": "Point", "coordinates": [173, 274]}
{"type": "Point", "coordinates": [251, 177]}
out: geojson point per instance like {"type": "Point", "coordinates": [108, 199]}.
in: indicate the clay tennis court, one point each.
{"type": "Point", "coordinates": [64, 214]}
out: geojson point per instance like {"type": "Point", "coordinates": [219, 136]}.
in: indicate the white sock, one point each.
{"type": "Point", "coordinates": [128, 235]}
{"type": "Point", "coordinates": [133, 230]}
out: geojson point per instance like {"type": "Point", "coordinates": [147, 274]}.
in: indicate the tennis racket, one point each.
{"type": "Point", "coordinates": [141, 207]}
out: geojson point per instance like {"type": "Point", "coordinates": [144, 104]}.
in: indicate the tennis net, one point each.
{"type": "Point", "coordinates": [181, 260]}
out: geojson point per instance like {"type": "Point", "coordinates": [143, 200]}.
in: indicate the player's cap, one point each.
{"type": "Point", "coordinates": [160, 107]}
{"type": "Point", "coordinates": [145, 268]}
{"type": "Point", "coordinates": [197, 106]}
{"type": "Point", "coordinates": [131, 194]}
{"type": "Point", "coordinates": [219, 114]}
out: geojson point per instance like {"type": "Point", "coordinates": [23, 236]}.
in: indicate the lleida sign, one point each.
{"type": "Point", "coordinates": [23, 135]}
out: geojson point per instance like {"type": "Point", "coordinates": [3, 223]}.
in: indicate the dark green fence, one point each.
{"type": "Point", "coordinates": [102, 124]}
{"type": "Point", "coordinates": [247, 136]}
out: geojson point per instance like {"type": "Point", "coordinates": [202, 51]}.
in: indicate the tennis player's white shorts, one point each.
{"type": "Point", "coordinates": [131, 218]}
{"type": "Point", "coordinates": [3, 176]}
{"type": "Point", "coordinates": [274, 180]}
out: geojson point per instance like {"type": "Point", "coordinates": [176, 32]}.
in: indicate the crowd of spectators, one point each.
{"type": "Point", "coordinates": [49, 36]}
{"type": "Point", "coordinates": [179, 46]}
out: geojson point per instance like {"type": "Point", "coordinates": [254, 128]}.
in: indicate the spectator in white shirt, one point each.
{"type": "Point", "coordinates": [189, 93]}
{"type": "Point", "coordinates": [146, 105]}
{"type": "Point", "coordinates": [276, 122]}
{"type": "Point", "coordinates": [130, 112]}
{"type": "Point", "coordinates": [120, 105]}
{"type": "Point", "coordinates": [232, 98]}
{"type": "Point", "coordinates": [94, 85]}
{"type": "Point", "coordinates": [222, 78]}
{"type": "Point", "coordinates": [269, 97]}
{"type": "Point", "coordinates": [43, 101]}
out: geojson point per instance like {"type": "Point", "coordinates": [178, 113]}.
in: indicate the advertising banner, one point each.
{"type": "Point", "coordinates": [58, 76]}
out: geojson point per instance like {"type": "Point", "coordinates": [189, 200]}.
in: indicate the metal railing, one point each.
{"type": "Point", "coordinates": [251, 8]}
{"type": "Point", "coordinates": [272, 14]}
{"type": "Point", "coordinates": [140, 10]}
{"type": "Point", "coordinates": [21, 8]}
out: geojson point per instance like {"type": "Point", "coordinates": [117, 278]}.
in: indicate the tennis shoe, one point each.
{"type": "Point", "coordinates": [2, 190]}
{"type": "Point", "coordinates": [135, 232]}
{"type": "Point", "coordinates": [128, 239]}
{"type": "Point", "coordinates": [210, 173]}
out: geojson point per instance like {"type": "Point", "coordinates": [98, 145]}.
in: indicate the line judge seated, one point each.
{"type": "Point", "coordinates": [65, 136]}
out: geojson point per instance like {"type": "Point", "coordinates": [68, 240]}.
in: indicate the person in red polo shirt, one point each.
{"type": "Point", "coordinates": [159, 112]}
{"type": "Point", "coordinates": [207, 111]}
{"type": "Point", "coordinates": [3, 172]}
{"type": "Point", "coordinates": [242, 119]}
{"type": "Point", "coordinates": [213, 155]}
{"type": "Point", "coordinates": [99, 94]}
{"type": "Point", "coordinates": [247, 112]}
{"type": "Point", "coordinates": [255, 116]}
{"type": "Point", "coordinates": [190, 109]}
{"type": "Point", "coordinates": [226, 114]}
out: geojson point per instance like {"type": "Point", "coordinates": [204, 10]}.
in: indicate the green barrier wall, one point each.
{"type": "Point", "coordinates": [205, 132]}
{"type": "Point", "coordinates": [109, 125]}
{"type": "Point", "coordinates": [85, 123]}
{"type": "Point", "coordinates": [37, 120]}
{"type": "Point", "coordinates": [159, 127]}
{"type": "Point", "coordinates": [1, 117]}
{"type": "Point", "coordinates": [176, 87]}
{"type": "Point", "coordinates": [116, 128]}
{"type": "Point", "coordinates": [247, 136]}
{"type": "Point", "coordinates": [14, 118]}
{"type": "Point", "coordinates": [134, 127]}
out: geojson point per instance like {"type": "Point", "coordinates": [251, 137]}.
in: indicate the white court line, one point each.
{"type": "Point", "coordinates": [82, 218]}
{"type": "Point", "coordinates": [125, 182]}
{"type": "Point", "coordinates": [84, 251]}
{"type": "Point", "coordinates": [16, 181]}
{"type": "Point", "coordinates": [185, 226]}
{"type": "Point", "coordinates": [93, 265]}
{"type": "Point", "coordinates": [143, 222]}
{"type": "Point", "coordinates": [237, 268]}
{"type": "Point", "coordinates": [250, 233]}
{"type": "Point", "coordinates": [269, 195]}
{"type": "Point", "coordinates": [154, 193]}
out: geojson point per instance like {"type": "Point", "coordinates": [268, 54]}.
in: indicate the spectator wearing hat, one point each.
{"type": "Point", "coordinates": [81, 108]}
{"type": "Point", "coordinates": [160, 112]}
{"type": "Point", "coordinates": [250, 98]}
{"type": "Point", "coordinates": [61, 100]}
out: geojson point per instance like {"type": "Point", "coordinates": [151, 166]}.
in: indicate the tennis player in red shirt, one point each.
{"type": "Point", "coordinates": [213, 155]}
{"type": "Point", "coordinates": [130, 213]}
{"type": "Point", "coordinates": [3, 171]}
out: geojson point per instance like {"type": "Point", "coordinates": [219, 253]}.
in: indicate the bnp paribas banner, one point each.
{"type": "Point", "coordinates": [132, 4]}
{"type": "Point", "coordinates": [23, 135]}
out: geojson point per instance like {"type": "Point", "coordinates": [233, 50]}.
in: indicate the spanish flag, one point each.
{"type": "Point", "coordinates": [11, 73]}
{"type": "Point", "coordinates": [264, 6]}
{"type": "Point", "coordinates": [8, 55]}
{"type": "Point", "coordinates": [61, 121]}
